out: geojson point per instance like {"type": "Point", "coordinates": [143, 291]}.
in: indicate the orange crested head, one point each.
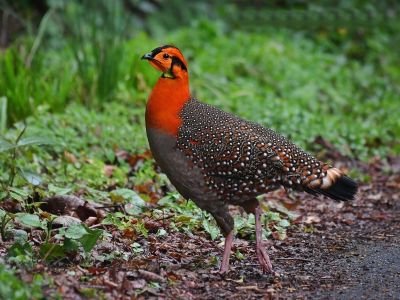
{"type": "Point", "coordinates": [169, 60]}
{"type": "Point", "coordinates": [171, 91]}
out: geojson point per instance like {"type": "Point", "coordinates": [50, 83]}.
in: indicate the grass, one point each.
{"type": "Point", "coordinates": [11, 287]}
{"type": "Point", "coordinates": [281, 79]}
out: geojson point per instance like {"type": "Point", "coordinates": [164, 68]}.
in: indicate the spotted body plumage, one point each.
{"type": "Point", "coordinates": [215, 158]}
{"type": "Point", "coordinates": [240, 159]}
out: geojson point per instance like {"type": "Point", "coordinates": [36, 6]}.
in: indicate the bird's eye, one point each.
{"type": "Point", "coordinates": [165, 56]}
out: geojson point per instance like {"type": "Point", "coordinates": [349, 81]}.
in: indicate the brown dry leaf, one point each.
{"type": "Point", "coordinates": [108, 170]}
{"type": "Point", "coordinates": [122, 154]}
{"type": "Point", "coordinates": [374, 196]}
{"type": "Point", "coordinates": [66, 221]}
{"type": "Point", "coordinates": [91, 221]}
{"type": "Point", "coordinates": [129, 233]}
{"type": "Point", "coordinates": [135, 159]}
{"type": "Point", "coordinates": [69, 157]}
{"type": "Point", "coordinates": [150, 276]}
{"type": "Point", "coordinates": [173, 277]}
{"type": "Point", "coordinates": [96, 270]}
{"type": "Point", "coordinates": [11, 205]}
{"type": "Point", "coordinates": [312, 219]}
{"type": "Point", "coordinates": [136, 284]}
{"type": "Point", "coordinates": [152, 226]}
{"type": "Point", "coordinates": [393, 182]}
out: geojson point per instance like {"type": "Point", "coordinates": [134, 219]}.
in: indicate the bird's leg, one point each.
{"type": "Point", "coordinates": [262, 254]}
{"type": "Point", "coordinates": [227, 252]}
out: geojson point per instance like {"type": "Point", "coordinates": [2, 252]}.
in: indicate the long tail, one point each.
{"type": "Point", "coordinates": [335, 185]}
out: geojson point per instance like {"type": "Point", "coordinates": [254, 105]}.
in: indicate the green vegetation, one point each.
{"type": "Point", "coordinates": [11, 287]}
{"type": "Point", "coordinates": [301, 85]}
{"type": "Point", "coordinates": [72, 98]}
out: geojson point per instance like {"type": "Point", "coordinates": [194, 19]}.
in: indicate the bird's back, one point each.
{"type": "Point", "coordinates": [241, 160]}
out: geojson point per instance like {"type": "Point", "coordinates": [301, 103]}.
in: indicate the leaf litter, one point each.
{"type": "Point", "coordinates": [164, 252]}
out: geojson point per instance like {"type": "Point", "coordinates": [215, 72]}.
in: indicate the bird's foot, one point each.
{"type": "Point", "coordinates": [223, 269]}
{"type": "Point", "coordinates": [263, 259]}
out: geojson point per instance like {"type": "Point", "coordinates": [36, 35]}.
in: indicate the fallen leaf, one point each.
{"type": "Point", "coordinates": [66, 221]}
{"type": "Point", "coordinates": [312, 219]}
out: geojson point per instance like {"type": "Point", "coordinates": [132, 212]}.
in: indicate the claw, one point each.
{"type": "Point", "coordinates": [264, 260]}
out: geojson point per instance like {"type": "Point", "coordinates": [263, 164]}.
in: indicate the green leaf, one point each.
{"type": "Point", "coordinates": [70, 245]}
{"type": "Point", "coordinates": [3, 114]}
{"type": "Point", "coordinates": [127, 196]}
{"type": "Point", "coordinates": [30, 177]}
{"type": "Point", "coordinates": [20, 249]}
{"type": "Point", "coordinates": [239, 255]}
{"type": "Point", "coordinates": [35, 140]}
{"type": "Point", "coordinates": [211, 229]}
{"type": "Point", "coordinates": [169, 200]}
{"type": "Point", "coordinates": [59, 190]}
{"type": "Point", "coordinates": [134, 203]}
{"type": "Point", "coordinates": [89, 240]}
{"type": "Point", "coordinates": [21, 254]}
{"type": "Point", "coordinates": [284, 223]}
{"type": "Point", "coordinates": [50, 251]}
{"type": "Point", "coordinates": [3, 194]}
{"type": "Point", "coordinates": [20, 236]}
{"type": "Point", "coordinates": [272, 216]}
{"type": "Point", "coordinates": [18, 194]}
{"type": "Point", "coordinates": [117, 219]}
{"type": "Point", "coordinates": [28, 141]}
{"type": "Point", "coordinates": [75, 231]}
{"type": "Point", "coordinates": [12, 287]}
{"type": "Point", "coordinates": [29, 220]}
{"type": "Point", "coordinates": [5, 146]}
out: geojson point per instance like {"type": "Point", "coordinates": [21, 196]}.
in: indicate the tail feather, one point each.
{"type": "Point", "coordinates": [343, 189]}
{"type": "Point", "coordinates": [334, 185]}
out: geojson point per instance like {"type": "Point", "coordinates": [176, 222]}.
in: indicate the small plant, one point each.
{"type": "Point", "coordinates": [11, 287]}
{"type": "Point", "coordinates": [5, 219]}
{"type": "Point", "coordinates": [13, 150]}
{"type": "Point", "coordinates": [69, 240]}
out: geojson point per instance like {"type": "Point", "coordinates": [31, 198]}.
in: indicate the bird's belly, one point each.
{"type": "Point", "coordinates": [183, 174]}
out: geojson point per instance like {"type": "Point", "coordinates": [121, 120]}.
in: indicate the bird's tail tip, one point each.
{"type": "Point", "coordinates": [337, 185]}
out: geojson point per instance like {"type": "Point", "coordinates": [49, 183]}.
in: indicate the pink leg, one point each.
{"type": "Point", "coordinates": [262, 254]}
{"type": "Point", "coordinates": [227, 252]}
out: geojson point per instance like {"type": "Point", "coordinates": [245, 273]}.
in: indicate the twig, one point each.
{"type": "Point", "coordinates": [96, 225]}
{"type": "Point", "coordinates": [84, 271]}
{"type": "Point", "coordinates": [151, 276]}
{"type": "Point", "coordinates": [293, 258]}
{"type": "Point", "coordinates": [49, 251]}
{"type": "Point", "coordinates": [165, 218]}
{"type": "Point", "coordinates": [109, 206]}
{"type": "Point", "coordinates": [110, 283]}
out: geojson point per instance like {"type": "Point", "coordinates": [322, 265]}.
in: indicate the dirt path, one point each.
{"type": "Point", "coordinates": [342, 262]}
{"type": "Point", "coordinates": [368, 270]}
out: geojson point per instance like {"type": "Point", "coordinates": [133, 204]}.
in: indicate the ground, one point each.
{"type": "Point", "coordinates": [333, 251]}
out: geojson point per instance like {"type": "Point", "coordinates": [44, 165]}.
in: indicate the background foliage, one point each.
{"type": "Point", "coordinates": [303, 69]}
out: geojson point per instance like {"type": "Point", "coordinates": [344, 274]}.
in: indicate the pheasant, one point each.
{"type": "Point", "coordinates": [217, 159]}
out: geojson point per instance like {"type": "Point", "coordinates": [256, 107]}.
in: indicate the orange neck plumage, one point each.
{"type": "Point", "coordinates": [165, 103]}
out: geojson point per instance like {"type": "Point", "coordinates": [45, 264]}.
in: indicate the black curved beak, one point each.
{"type": "Point", "coordinates": [148, 56]}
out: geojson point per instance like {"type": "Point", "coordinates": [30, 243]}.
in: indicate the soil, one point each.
{"type": "Point", "coordinates": [334, 251]}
